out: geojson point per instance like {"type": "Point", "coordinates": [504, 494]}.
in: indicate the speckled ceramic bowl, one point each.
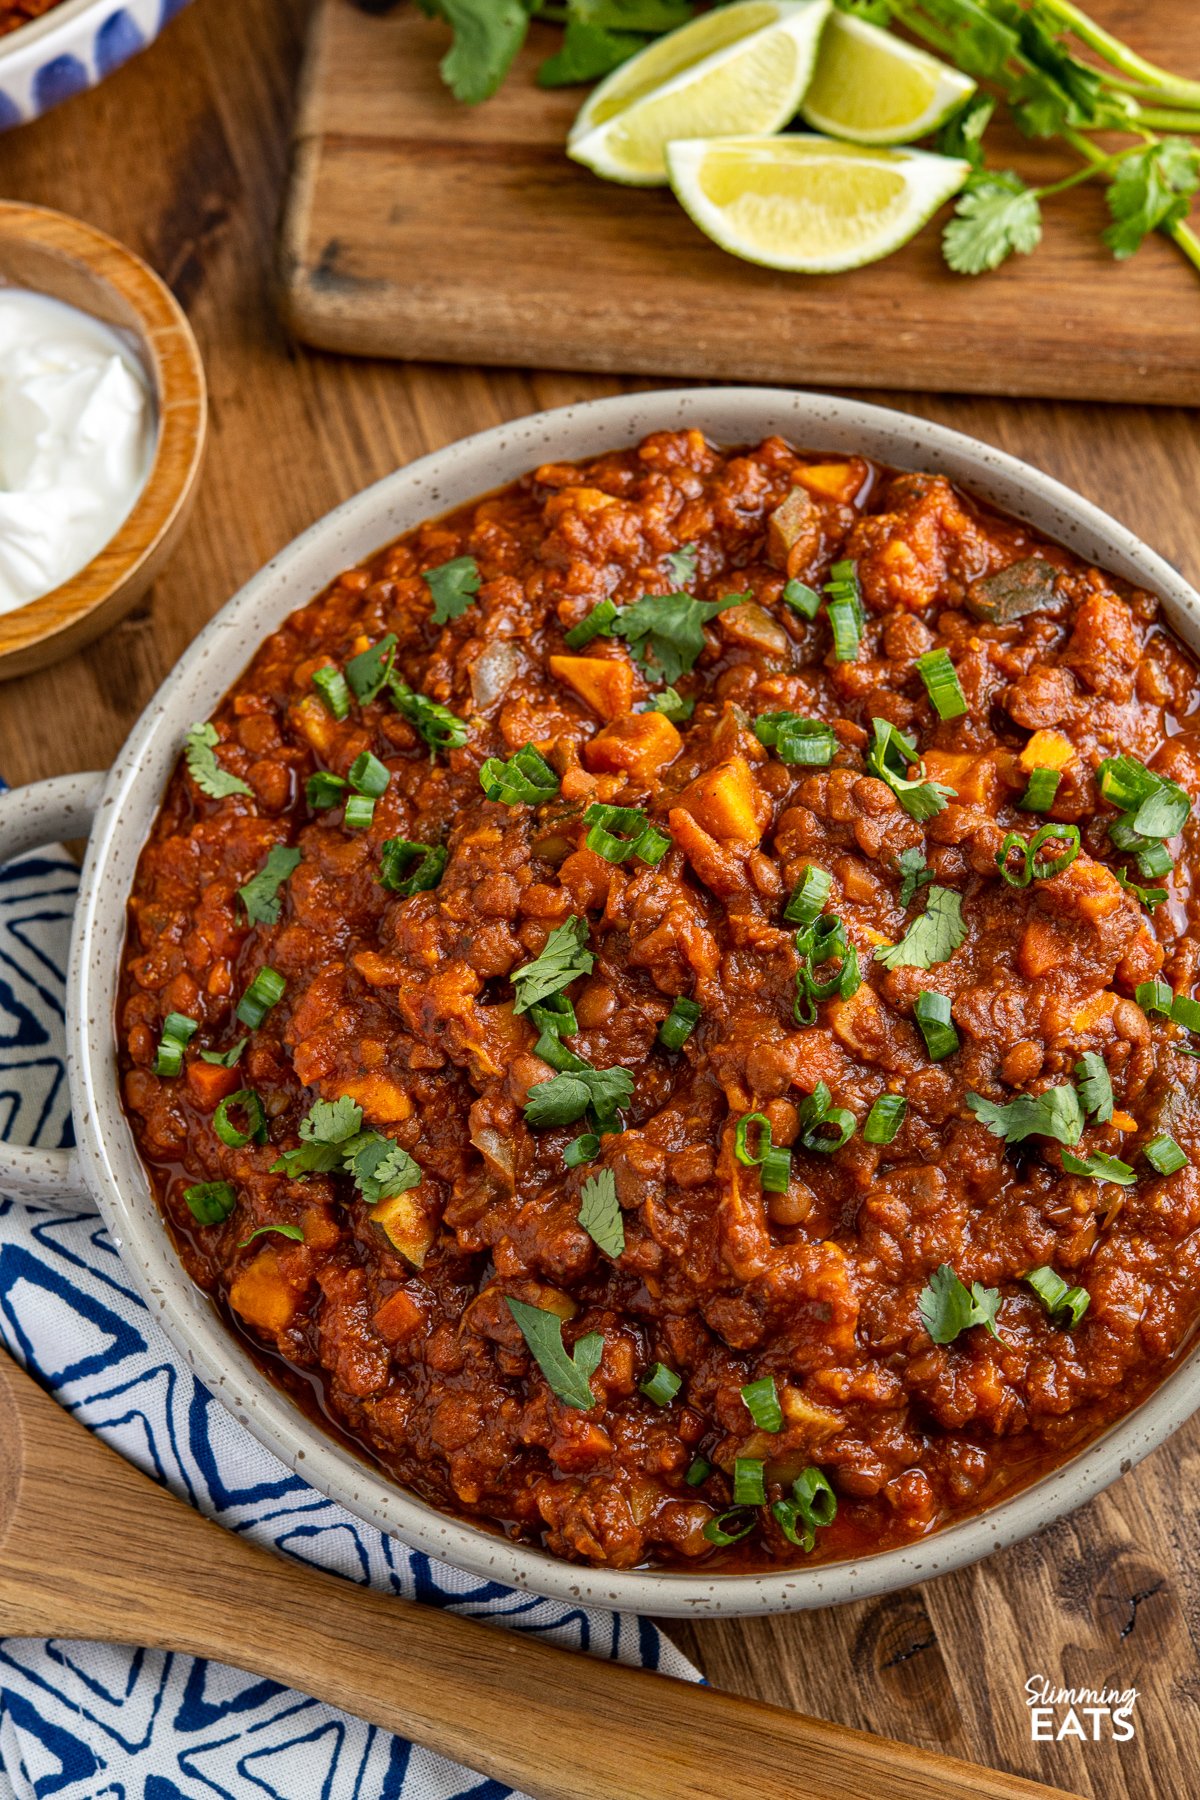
{"type": "Point", "coordinates": [120, 807]}
{"type": "Point", "coordinates": [72, 47]}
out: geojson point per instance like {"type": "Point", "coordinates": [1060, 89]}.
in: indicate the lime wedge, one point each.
{"type": "Point", "coordinates": [809, 203]}
{"type": "Point", "coordinates": [873, 88]}
{"type": "Point", "coordinates": [740, 68]}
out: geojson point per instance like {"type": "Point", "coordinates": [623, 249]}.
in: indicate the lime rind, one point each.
{"type": "Point", "coordinates": [869, 87]}
{"type": "Point", "coordinates": [719, 92]}
{"type": "Point", "coordinates": [736, 189]}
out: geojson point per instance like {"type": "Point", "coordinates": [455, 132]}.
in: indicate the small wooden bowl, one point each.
{"type": "Point", "coordinates": [56, 255]}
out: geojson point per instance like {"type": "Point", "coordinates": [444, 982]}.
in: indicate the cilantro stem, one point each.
{"type": "Point", "coordinates": [1120, 56]}
{"type": "Point", "coordinates": [1165, 120]}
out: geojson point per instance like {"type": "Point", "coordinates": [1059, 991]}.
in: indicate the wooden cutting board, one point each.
{"type": "Point", "coordinates": [416, 227]}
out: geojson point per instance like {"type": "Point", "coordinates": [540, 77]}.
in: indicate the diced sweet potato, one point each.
{"type": "Point", "coordinates": [1047, 750]}
{"type": "Point", "coordinates": [399, 1317]}
{"type": "Point", "coordinates": [605, 682]}
{"type": "Point", "coordinates": [834, 481]}
{"type": "Point", "coordinates": [320, 1228]}
{"type": "Point", "coordinates": [715, 864]}
{"type": "Point", "coordinates": [975, 779]}
{"type": "Point", "coordinates": [383, 1101]}
{"type": "Point", "coordinates": [406, 1226]}
{"type": "Point", "coordinates": [209, 1083]}
{"type": "Point", "coordinates": [578, 500]}
{"type": "Point", "coordinates": [260, 1295]}
{"type": "Point", "coordinates": [640, 743]}
{"type": "Point", "coordinates": [1042, 948]}
{"type": "Point", "coordinates": [727, 801]}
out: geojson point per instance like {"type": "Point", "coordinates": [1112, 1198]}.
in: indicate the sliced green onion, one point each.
{"type": "Point", "coordinates": [823, 1126]}
{"type": "Point", "coordinates": [583, 1149]}
{"type": "Point", "coordinates": [324, 789]}
{"type": "Point", "coordinates": [824, 940]}
{"type": "Point", "coordinates": [741, 1148]}
{"type": "Point", "coordinates": [618, 832]}
{"type": "Point", "coordinates": [885, 1119]}
{"type": "Point", "coordinates": [368, 672]}
{"type": "Point", "coordinates": [368, 775]}
{"type": "Point", "coordinates": [359, 814]}
{"type": "Point", "coordinates": [802, 599]}
{"type": "Point", "coordinates": [526, 779]}
{"type": "Point", "coordinates": [209, 1202]}
{"type": "Point", "coordinates": [775, 1170]}
{"type": "Point", "coordinates": [808, 896]}
{"type": "Point", "coordinates": [177, 1032]}
{"type": "Point", "coordinates": [813, 1506]}
{"type": "Point", "coordinates": [288, 1231]}
{"type": "Point", "coordinates": [264, 992]}
{"type": "Point", "coordinates": [1164, 1154]}
{"type": "Point", "coordinates": [679, 1023]}
{"type": "Point", "coordinates": [1186, 1012]}
{"type": "Point", "coordinates": [699, 1471]}
{"type": "Point", "coordinates": [843, 604]}
{"type": "Point", "coordinates": [1125, 782]}
{"type": "Point", "coordinates": [1056, 1296]}
{"type": "Point", "coordinates": [555, 1013]}
{"type": "Point", "coordinates": [1155, 860]}
{"type": "Point", "coordinates": [749, 1486]}
{"type": "Point", "coordinates": [598, 623]}
{"type": "Point", "coordinates": [941, 683]}
{"type": "Point", "coordinates": [932, 1013]}
{"type": "Point", "coordinates": [225, 1059]}
{"type": "Point", "coordinates": [718, 1530]}
{"type": "Point", "coordinates": [660, 1384]}
{"type": "Point", "coordinates": [256, 1120]}
{"type": "Point", "coordinates": [1040, 792]}
{"type": "Point", "coordinates": [408, 868]}
{"type": "Point", "coordinates": [1033, 867]}
{"type": "Point", "coordinates": [846, 632]}
{"type": "Point", "coordinates": [762, 1403]}
{"type": "Point", "coordinates": [1154, 997]}
{"type": "Point", "coordinates": [809, 743]}
{"type": "Point", "coordinates": [331, 685]}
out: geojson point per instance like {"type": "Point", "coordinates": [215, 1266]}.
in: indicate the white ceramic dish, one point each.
{"type": "Point", "coordinates": [72, 47]}
{"type": "Point", "coordinates": [121, 806]}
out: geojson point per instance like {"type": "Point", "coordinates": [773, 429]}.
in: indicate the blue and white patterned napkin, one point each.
{"type": "Point", "coordinates": [95, 1722]}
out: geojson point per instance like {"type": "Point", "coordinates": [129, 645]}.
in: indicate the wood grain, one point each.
{"type": "Point", "coordinates": [605, 277]}
{"type": "Point", "coordinates": [73, 262]}
{"type": "Point", "coordinates": [202, 121]}
{"type": "Point", "coordinates": [516, 1708]}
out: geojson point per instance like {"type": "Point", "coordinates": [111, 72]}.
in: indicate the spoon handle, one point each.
{"type": "Point", "coordinates": [90, 1549]}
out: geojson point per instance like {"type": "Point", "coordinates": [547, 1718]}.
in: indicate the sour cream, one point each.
{"type": "Point", "coordinates": [76, 441]}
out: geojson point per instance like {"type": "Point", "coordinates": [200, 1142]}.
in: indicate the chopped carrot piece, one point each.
{"type": "Point", "coordinates": [605, 682]}
{"type": "Point", "coordinates": [640, 743]}
{"type": "Point", "coordinates": [727, 801]}
{"type": "Point", "coordinates": [1124, 1121]}
{"type": "Point", "coordinates": [1041, 949]}
{"type": "Point", "coordinates": [975, 779]}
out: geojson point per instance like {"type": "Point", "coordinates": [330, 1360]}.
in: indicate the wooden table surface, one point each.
{"type": "Point", "coordinates": [183, 155]}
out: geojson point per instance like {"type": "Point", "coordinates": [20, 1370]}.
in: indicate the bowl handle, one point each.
{"type": "Point", "coordinates": [31, 817]}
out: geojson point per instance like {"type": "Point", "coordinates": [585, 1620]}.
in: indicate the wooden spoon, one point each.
{"type": "Point", "coordinates": [145, 1569]}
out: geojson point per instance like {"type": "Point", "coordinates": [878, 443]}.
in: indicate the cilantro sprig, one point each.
{"type": "Point", "coordinates": [332, 1139]}
{"type": "Point", "coordinates": [666, 631]}
{"type": "Point", "coordinates": [200, 755]}
{"type": "Point", "coordinates": [948, 1307]}
{"type": "Point", "coordinates": [930, 939]}
{"type": "Point", "coordinates": [568, 1372]}
{"type": "Point", "coordinates": [564, 957]}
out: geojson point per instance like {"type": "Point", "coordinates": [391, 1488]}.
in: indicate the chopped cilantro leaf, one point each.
{"type": "Point", "coordinates": [381, 1167]}
{"type": "Point", "coordinates": [600, 1214]}
{"type": "Point", "coordinates": [564, 957]}
{"type": "Point", "coordinates": [567, 1096]}
{"type": "Point", "coordinates": [948, 1308]}
{"type": "Point", "coordinates": [666, 631]}
{"type": "Point", "coordinates": [1056, 1113]}
{"type": "Point", "coordinates": [1095, 1086]}
{"type": "Point", "coordinates": [1151, 190]}
{"type": "Point", "coordinates": [890, 756]}
{"type": "Point", "coordinates": [681, 565]}
{"type": "Point", "coordinates": [569, 1374]}
{"type": "Point", "coordinates": [932, 938]}
{"type": "Point", "coordinates": [914, 872]}
{"type": "Point", "coordinates": [204, 769]}
{"type": "Point", "coordinates": [453, 585]}
{"type": "Point", "coordinates": [260, 896]}
{"type": "Point", "coordinates": [1099, 1167]}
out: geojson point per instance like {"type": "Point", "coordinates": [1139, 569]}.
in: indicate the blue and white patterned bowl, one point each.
{"type": "Point", "coordinates": [72, 47]}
